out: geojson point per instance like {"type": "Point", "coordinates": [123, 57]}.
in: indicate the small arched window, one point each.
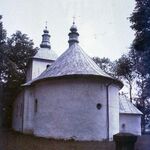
{"type": "Point", "coordinates": [47, 66]}
{"type": "Point", "coordinates": [123, 126]}
{"type": "Point", "coordinates": [36, 105]}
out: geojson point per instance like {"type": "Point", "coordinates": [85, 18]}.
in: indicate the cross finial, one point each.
{"type": "Point", "coordinates": [74, 19]}
{"type": "Point", "coordinates": [46, 25]}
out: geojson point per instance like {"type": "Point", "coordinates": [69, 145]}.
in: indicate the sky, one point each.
{"type": "Point", "coordinates": [103, 25]}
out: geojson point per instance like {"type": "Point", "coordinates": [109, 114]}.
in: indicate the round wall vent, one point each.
{"type": "Point", "coordinates": [98, 106]}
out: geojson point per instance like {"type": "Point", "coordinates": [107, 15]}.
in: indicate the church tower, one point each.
{"type": "Point", "coordinates": [43, 58]}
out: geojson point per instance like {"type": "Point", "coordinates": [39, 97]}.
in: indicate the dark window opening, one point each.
{"type": "Point", "coordinates": [123, 126]}
{"type": "Point", "coordinates": [36, 106]}
{"type": "Point", "coordinates": [99, 106]}
{"type": "Point", "coordinates": [47, 66]}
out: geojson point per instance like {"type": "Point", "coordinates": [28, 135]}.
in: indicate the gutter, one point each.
{"type": "Point", "coordinates": [107, 108]}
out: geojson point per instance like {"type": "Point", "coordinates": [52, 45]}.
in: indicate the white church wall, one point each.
{"type": "Point", "coordinates": [39, 66]}
{"type": "Point", "coordinates": [68, 109]}
{"type": "Point", "coordinates": [113, 110]}
{"type": "Point", "coordinates": [28, 110]}
{"type": "Point", "coordinates": [29, 71]}
{"type": "Point", "coordinates": [36, 67]}
{"type": "Point", "coordinates": [18, 112]}
{"type": "Point", "coordinates": [130, 123]}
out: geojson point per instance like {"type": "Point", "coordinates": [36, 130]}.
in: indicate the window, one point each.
{"type": "Point", "coordinates": [47, 66]}
{"type": "Point", "coordinates": [99, 106]}
{"type": "Point", "coordinates": [36, 105]}
{"type": "Point", "coordinates": [123, 126]}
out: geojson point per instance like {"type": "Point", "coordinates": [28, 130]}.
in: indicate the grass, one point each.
{"type": "Point", "coordinates": [11, 140]}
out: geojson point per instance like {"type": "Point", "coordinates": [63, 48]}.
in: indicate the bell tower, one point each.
{"type": "Point", "coordinates": [43, 58]}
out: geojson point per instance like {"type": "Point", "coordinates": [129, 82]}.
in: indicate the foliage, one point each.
{"type": "Point", "coordinates": [2, 47]}
{"type": "Point", "coordinates": [140, 50]}
{"type": "Point", "coordinates": [15, 53]}
{"type": "Point", "coordinates": [105, 64]}
{"type": "Point", "coordinates": [2, 32]}
{"type": "Point", "coordinates": [19, 52]}
{"type": "Point", "coordinates": [124, 69]}
{"type": "Point", "coordinates": [140, 20]}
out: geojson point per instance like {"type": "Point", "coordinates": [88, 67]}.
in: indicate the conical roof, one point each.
{"type": "Point", "coordinates": [74, 61]}
{"type": "Point", "coordinates": [126, 107]}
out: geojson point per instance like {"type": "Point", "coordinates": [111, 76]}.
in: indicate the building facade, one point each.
{"type": "Point", "coordinates": [72, 98]}
{"type": "Point", "coordinates": [130, 116]}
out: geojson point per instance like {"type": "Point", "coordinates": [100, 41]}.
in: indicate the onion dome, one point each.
{"type": "Point", "coordinates": [45, 51]}
{"type": "Point", "coordinates": [45, 39]}
{"type": "Point", "coordinates": [73, 35]}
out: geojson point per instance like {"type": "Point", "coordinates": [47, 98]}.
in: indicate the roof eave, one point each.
{"type": "Point", "coordinates": [127, 113]}
{"type": "Point", "coordinates": [111, 80]}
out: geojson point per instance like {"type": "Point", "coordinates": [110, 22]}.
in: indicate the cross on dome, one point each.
{"type": "Point", "coordinates": [46, 25]}
{"type": "Point", "coordinates": [45, 38]}
{"type": "Point", "coordinates": [73, 35]}
{"type": "Point", "coordinates": [74, 19]}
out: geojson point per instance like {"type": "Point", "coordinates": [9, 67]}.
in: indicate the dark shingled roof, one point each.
{"type": "Point", "coordinates": [126, 107]}
{"type": "Point", "coordinates": [74, 61]}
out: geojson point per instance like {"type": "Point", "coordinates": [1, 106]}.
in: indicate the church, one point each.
{"type": "Point", "coordinates": [70, 97]}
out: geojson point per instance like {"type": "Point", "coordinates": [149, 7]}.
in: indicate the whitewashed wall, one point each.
{"type": "Point", "coordinates": [28, 116]}
{"type": "Point", "coordinates": [29, 71]}
{"type": "Point", "coordinates": [67, 109]}
{"type": "Point", "coordinates": [36, 67]}
{"type": "Point", "coordinates": [18, 112]}
{"type": "Point", "coordinates": [23, 111]}
{"type": "Point", "coordinates": [113, 110]}
{"type": "Point", "coordinates": [132, 123]}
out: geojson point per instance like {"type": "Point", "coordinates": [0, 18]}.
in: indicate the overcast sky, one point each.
{"type": "Point", "coordinates": [102, 24]}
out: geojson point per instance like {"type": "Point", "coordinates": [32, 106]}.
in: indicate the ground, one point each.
{"type": "Point", "coordinates": [11, 140]}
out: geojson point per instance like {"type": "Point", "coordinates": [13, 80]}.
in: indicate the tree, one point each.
{"type": "Point", "coordinates": [20, 51]}
{"type": "Point", "coordinates": [105, 64]}
{"type": "Point", "coordinates": [2, 47]}
{"type": "Point", "coordinates": [140, 48]}
{"type": "Point", "coordinates": [2, 39]}
{"type": "Point", "coordinates": [124, 70]}
{"type": "Point", "coordinates": [121, 69]}
{"type": "Point", "coordinates": [142, 99]}
{"type": "Point", "coordinates": [15, 53]}
{"type": "Point", "coordinates": [2, 32]}
{"type": "Point", "coordinates": [140, 20]}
